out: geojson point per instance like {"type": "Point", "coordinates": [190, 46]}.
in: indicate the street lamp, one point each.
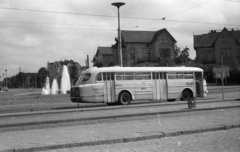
{"type": "Point", "coordinates": [3, 81]}
{"type": "Point", "coordinates": [6, 79]}
{"type": "Point", "coordinates": [118, 5]}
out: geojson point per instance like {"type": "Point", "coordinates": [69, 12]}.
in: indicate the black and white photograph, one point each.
{"type": "Point", "coordinates": [119, 75]}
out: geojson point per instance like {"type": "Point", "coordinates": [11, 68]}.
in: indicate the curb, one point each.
{"type": "Point", "coordinates": [124, 140]}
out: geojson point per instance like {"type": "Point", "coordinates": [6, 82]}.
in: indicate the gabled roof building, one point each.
{"type": "Point", "coordinates": [210, 46]}
{"type": "Point", "coordinates": [103, 57]}
{"type": "Point", "coordinates": [140, 47]}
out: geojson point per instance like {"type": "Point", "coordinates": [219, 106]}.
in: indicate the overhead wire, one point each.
{"type": "Point", "coordinates": [97, 15]}
{"type": "Point", "coordinates": [164, 18]}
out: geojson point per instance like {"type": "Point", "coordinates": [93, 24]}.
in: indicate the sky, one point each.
{"type": "Point", "coordinates": [34, 32]}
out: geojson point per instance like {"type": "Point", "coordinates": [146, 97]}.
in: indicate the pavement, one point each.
{"type": "Point", "coordinates": [155, 127]}
{"type": "Point", "coordinates": [217, 141]}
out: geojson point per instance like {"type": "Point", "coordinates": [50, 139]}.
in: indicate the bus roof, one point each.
{"type": "Point", "coordinates": [143, 69]}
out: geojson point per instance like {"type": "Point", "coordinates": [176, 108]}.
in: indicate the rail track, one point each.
{"type": "Point", "coordinates": [105, 114]}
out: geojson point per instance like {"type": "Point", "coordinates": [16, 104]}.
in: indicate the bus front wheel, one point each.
{"type": "Point", "coordinates": [186, 95]}
{"type": "Point", "coordinates": [124, 98]}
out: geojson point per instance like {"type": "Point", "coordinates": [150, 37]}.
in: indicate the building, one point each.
{"type": "Point", "coordinates": [210, 46]}
{"type": "Point", "coordinates": [103, 57]}
{"type": "Point", "coordinates": [140, 47]}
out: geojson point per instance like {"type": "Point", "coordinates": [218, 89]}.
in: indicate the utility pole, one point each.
{"type": "Point", "coordinates": [118, 5]}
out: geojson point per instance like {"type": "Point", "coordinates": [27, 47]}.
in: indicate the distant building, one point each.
{"type": "Point", "coordinates": [210, 46]}
{"type": "Point", "coordinates": [103, 57]}
{"type": "Point", "coordinates": [141, 47]}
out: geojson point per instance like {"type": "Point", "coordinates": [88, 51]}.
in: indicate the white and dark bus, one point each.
{"type": "Point", "coordinates": [121, 85]}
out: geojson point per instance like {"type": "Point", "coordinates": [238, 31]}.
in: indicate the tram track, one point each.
{"type": "Point", "coordinates": [102, 107]}
{"type": "Point", "coordinates": [107, 118]}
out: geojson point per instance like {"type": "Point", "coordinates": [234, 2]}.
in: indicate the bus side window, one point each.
{"type": "Point", "coordinates": [119, 76]}
{"type": "Point", "coordinates": [138, 76]}
{"type": "Point", "coordinates": [198, 76]}
{"type": "Point", "coordinates": [171, 75]}
{"type": "Point", "coordinates": [146, 76]}
{"type": "Point", "coordinates": [164, 75]}
{"type": "Point", "coordinates": [112, 76]}
{"type": "Point", "coordinates": [161, 75]}
{"type": "Point", "coordinates": [188, 76]}
{"type": "Point", "coordinates": [128, 76]}
{"type": "Point", "coordinates": [104, 76]}
{"type": "Point", "coordinates": [99, 77]}
{"type": "Point", "coordinates": [179, 76]}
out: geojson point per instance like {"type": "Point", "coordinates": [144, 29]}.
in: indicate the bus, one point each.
{"type": "Point", "coordinates": [122, 85]}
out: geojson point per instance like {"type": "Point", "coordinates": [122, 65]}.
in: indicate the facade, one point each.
{"type": "Point", "coordinates": [141, 47]}
{"type": "Point", "coordinates": [209, 47]}
{"type": "Point", "coordinates": [103, 57]}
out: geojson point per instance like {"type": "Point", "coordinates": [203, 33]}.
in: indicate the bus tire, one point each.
{"type": "Point", "coordinates": [187, 95]}
{"type": "Point", "coordinates": [124, 98]}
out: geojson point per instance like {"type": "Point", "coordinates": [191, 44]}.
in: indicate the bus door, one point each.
{"type": "Point", "coordinates": [109, 87]}
{"type": "Point", "coordinates": [199, 84]}
{"type": "Point", "coordinates": [159, 86]}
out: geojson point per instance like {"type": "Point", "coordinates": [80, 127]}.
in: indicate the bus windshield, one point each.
{"type": "Point", "coordinates": [83, 78]}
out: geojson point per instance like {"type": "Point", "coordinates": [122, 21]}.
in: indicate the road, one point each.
{"type": "Point", "coordinates": [142, 126]}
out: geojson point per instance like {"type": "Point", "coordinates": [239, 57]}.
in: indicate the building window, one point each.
{"type": "Point", "coordinates": [165, 40]}
{"type": "Point", "coordinates": [201, 56]}
{"type": "Point", "coordinates": [161, 40]}
{"type": "Point", "coordinates": [226, 52]}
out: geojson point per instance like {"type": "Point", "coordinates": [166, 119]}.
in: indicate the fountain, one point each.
{"type": "Point", "coordinates": [46, 89]}
{"type": "Point", "coordinates": [65, 84]}
{"type": "Point", "coordinates": [54, 88]}
{"type": "Point", "coordinates": [65, 81]}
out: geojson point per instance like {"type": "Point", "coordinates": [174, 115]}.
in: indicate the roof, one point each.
{"type": "Point", "coordinates": [138, 36]}
{"type": "Point", "coordinates": [209, 39]}
{"type": "Point", "coordinates": [144, 69]}
{"type": "Point", "coordinates": [105, 50]}
{"type": "Point", "coordinates": [141, 36]}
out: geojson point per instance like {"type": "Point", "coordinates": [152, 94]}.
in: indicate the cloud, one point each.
{"type": "Point", "coordinates": [30, 39]}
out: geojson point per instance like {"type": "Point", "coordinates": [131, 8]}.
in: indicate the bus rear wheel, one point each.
{"type": "Point", "coordinates": [124, 98]}
{"type": "Point", "coordinates": [186, 95]}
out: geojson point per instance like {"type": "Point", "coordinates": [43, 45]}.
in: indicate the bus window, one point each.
{"type": "Point", "coordinates": [138, 76]}
{"type": "Point", "coordinates": [86, 77]}
{"type": "Point", "coordinates": [171, 75]}
{"type": "Point", "coordinates": [198, 76]}
{"type": "Point", "coordinates": [128, 76]}
{"type": "Point", "coordinates": [188, 75]}
{"type": "Point", "coordinates": [99, 77]}
{"type": "Point", "coordinates": [104, 76]}
{"type": "Point", "coordinates": [179, 75]}
{"type": "Point", "coordinates": [112, 76]}
{"type": "Point", "coordinates": [161, 75]}
{"type": "Point", "coordinates": [156, 75]}
{"type": "Point", "coordinates": [119, 76]}
{"type": "Point", "coordinates": [164, 75]}
{"type": "Point", "coordinates": [146, 76]}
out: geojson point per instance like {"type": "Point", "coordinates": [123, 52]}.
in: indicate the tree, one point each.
{"type": "Point", "coordinates": [181, 56]}
{"type": "Point", "coordinates": [41, 76]}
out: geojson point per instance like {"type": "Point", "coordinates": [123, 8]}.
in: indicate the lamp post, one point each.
{"type": "Point", "coordinates": [6, 79]}
{"type": "Point", "coordinates": [118, 5]}
{"type": "Point", "coordinates": [222, 76]}
{"type": "Point", "coordinates": [3, 81]}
